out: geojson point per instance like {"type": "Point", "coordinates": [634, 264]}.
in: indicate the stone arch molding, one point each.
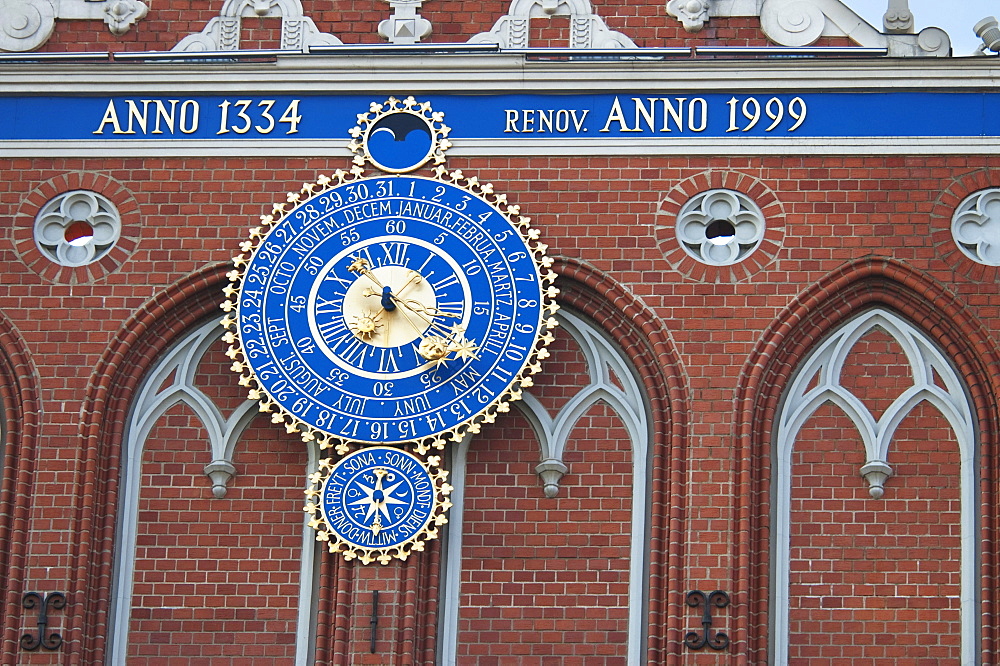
{"type": "Point", "coordinates": [604, 364]}
{"type": "Point", "coordinates": [587, 29]}
{"type": "Point", "coordinates": [817, 383]}
{"type": "Point", "coordinates": [222, 33]}
{"type": "Point", "coordinates": [168, 383]}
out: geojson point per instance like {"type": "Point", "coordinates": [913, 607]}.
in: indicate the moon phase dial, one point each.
{"type": "Point", "coordinates": [399, 136]}
{"type": "Point", "coordinates": [390, 309]}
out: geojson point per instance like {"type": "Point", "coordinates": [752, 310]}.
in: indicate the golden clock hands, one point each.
{"type": "Point", "coordinates": [360, 265]}
{"type": "Point", "coordinates": [414, 279]}
{"type": "Point", "coordinates": [419, 308]}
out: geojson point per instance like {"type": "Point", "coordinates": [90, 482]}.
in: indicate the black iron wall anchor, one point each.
{"type": "Point", "coordinates": [373, 620]}
{"type": "Point", "coordinates": [719, 599]}
{"type": "Point", "coordinates": [53, 600]}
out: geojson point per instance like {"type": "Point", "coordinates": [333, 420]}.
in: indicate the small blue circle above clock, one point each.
{"type": "Point", "coordinates": [390, 309]}
{"type": "Point", "coordinates": [400, 141]}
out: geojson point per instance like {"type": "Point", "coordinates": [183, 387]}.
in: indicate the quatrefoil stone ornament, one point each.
{"type": "Point", "coordinates": [720, 227]}
{"type": "Point", "coordinates": [975, 226]}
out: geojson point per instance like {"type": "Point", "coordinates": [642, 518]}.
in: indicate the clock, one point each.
{"type": "Point", "coordinates": [378, 503]}
{"type": "Point", "coordinates": [390, 309]}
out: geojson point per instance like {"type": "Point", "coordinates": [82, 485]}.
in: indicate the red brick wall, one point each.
{"type": "Point", "coordinates": [875, 579]}
{"type": "Point", "coordinates": [547, 578]}
{"type": "Point", "coordinates": [217, 578]}
{"type": "Point", "coordinates": [596, 212]}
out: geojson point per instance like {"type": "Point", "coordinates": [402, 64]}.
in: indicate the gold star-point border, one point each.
{"type": "Point", "coordinates": [499, 405]}
{"type": "Point", "coordinates": [416, 543]}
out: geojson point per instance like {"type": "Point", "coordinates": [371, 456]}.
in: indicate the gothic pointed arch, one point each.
{"type": "Point", "coordinates": [647, 343]}
{"type": "Point", "coordinates": [939, 331]}
{"type": "Point", "coordinates": [147, 334]}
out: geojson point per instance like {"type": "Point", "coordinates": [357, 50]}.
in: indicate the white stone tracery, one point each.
{"type": "Point", "coordinates": [604, 364]}
{"type": "Point", "coordinates": [817, 382]}
{"type": "Point", "coordinates": [975, 226]}
{"type": "Point", "coordinates": [222, 33]}
{"type": "Point", "coordinates": [802, 22]}
{"type": "Point", "coordinates": [55, 222]}
{"type": "Point", "coordinates": [587, 29]}
{"type": "Point", "coordinates": [740, 221]}
{"type": "Point", "coordinates": [168, 383]}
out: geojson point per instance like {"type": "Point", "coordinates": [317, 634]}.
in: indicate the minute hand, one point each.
{"type": "Point", "coordinates": [419, 308]}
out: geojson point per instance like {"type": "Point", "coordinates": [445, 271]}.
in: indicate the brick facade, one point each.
{"type": "Point", "coordinates": [540, 580]}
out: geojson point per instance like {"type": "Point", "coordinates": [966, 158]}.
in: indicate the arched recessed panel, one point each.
{"type": "Point", "coordinates": [593, 449]}
{"type": "Point", "coordinates": [182, 432]}
{"type": "Point", "coordinates": [848, 481]}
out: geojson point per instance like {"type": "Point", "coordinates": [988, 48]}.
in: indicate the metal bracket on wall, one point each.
{"type": "Point", "coordinates": [373, 621]}
{"type": "Point", "coordinates": [719, 599]}
{"type": "Point", "coordinates": [55, 600]}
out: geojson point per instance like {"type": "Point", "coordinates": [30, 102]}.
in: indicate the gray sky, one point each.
{"type": "Point", "coordinates": [956, 17]}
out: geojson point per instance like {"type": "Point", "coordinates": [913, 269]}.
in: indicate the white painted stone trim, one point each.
{"type": "Point", "coordinates": [222, 33]}
{"type": "Point", "coordinates": [975, 226]}
{"type": "Point", "coordinates": [971, 145]}
{"type": "Point", "coordinates": [26, 25]}
{"type": "Point", "coordinates": [61, 212]}
{"type": "Point", "coordinates": [381, 75]}
{"type": "Point", "coordinates": [587, 29]}
{"type": "Point", "coordinates": [553, 433]}
{"type": "Point", "coordinates": [801, 402]}
{"type": "Point", "coordinates": [802, 22]}
{"type": "Point", "coordinates": [704, 209]}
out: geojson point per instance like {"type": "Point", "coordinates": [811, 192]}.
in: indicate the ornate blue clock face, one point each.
{"type": "Point", "coordinates": [378, 498]}
{"type": "Point", "coordinates": [391, 309]}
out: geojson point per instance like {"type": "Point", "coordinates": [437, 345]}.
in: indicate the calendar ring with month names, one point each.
{"type": "Point", "coordinates": [390, 309]}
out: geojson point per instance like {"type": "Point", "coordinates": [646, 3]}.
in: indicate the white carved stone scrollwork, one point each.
{"type": "Point", "coordinates": [405, 26]}
{"type": "Point", "coordinates": [802, 22]}
{"type": "Point", "coordinates": [792, 22]}
{"type": "Point", "coordinates": [588, 30]}
{"type": "Point", "coordinates": [975, 227]}
{"type": "Point", "coordinates": [27, 24]}
{"type": "Point", "coordinates": [120, 15]}
{"type": "Point", "coordinates": [898, 18]}
{"type": "Point", "coordinates": [693, 14]}
{"type": "Point", "coordinates": [222, 33]}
